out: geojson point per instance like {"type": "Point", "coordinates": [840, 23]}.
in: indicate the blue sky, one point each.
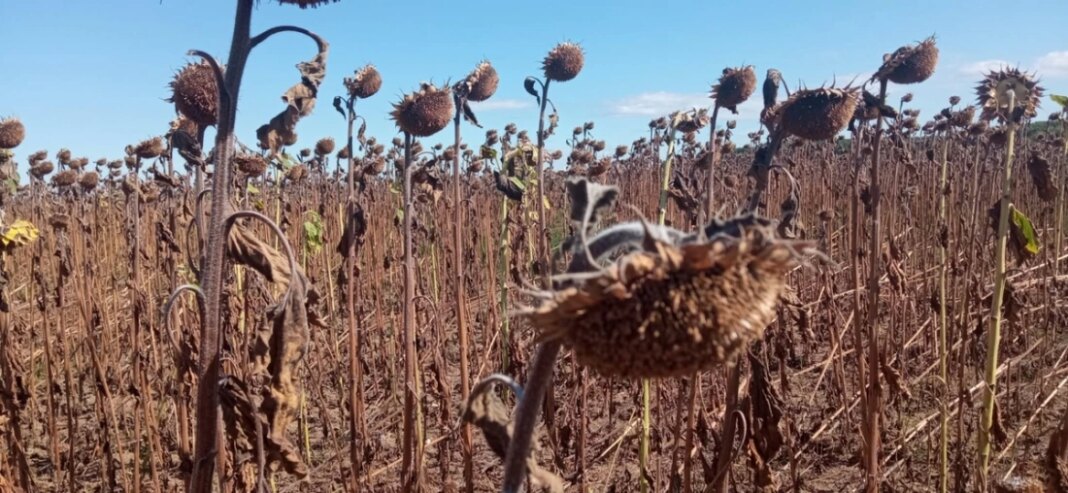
{"type": "Point", "coordinates": [93, 75]}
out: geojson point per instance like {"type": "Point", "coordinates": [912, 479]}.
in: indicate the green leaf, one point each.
{"type": "Point", "coordinates": [488, 152]}
{"type": "Point", "coordinates": [286, 161]}
{"type": "Point", "coordinates": [518, 183]}
{"type": "Point", "coordinates": [1027, 229]}
{"type": "Point", "coordinates": [1061, 100]}
{"type": "Point", "coordinates": [313, 232]}
{"type": "Point", "coordinates": [252, 190]}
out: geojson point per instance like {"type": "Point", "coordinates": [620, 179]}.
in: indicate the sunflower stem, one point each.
{"type": "Point", "coordinates": [943, 327]}
{"type": "Point", "coordinates": [714, 151]}
{"type": "Point", "coordinates": [461, 314]}
{"type": "Point", "coordinates": [209, 446]}
{"type": "Point", "coordinates": [1063, 179]}
{"type": "Point", "coordinates": [411, 464]}
{"type": "Point", "coordinates": [356, 405]}
{"type": "Point", "coordinates": [643, 447]}
{"type": "Point", "coordinates": [994, 334]}
{"type": "Point", "coordinates": [874, 389]}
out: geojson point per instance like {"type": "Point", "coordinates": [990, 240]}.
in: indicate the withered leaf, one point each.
{"type": "Point", "coordinates": [246, 249]}
{"type": "Point", "coordinates": [486, 411]}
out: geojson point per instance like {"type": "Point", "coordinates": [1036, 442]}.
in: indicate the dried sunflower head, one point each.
{"type": "Point", "coordinates": [365, 83]}
{"type": "Point", "coordinates": [79, 163]}
{"type": "Point", "coordinates": [677, 305]}
{"type": "Point", "coordinates": [11, 133]}
{"type": "Point", "coordinates": [996, 89]}
{"type": "Point", "coordinates": [65, 178]}
{"type": "Point", "coordinates": [1042, 176]}
{"type": "Point", "coordinates": [910, 64]}
{"type": "Point", "coordinates": [690, 121]}
{"type": "Point", "coordinates": [88, 181]}
{"type": "Point", "coordinates": [564, 62]}
{"type": "Point", "coordinates": [41, 169]}
{"type": "Point", "coordinates": [482, 82]}
{"type": "Point", "coordinates": [324, 146]}
{"type": "Point", "coordinates": [150, 148]}
{"type": "Point", "coordinates": [734, 87]}
{"type": "Point", "coordinates": [195, 93]}
{"type": "Point", "coordinates": [424, 112]}
{"type": "Point", "coordinates": [252, 165]}
{"type": "Point", "coordinates": [816, 114]}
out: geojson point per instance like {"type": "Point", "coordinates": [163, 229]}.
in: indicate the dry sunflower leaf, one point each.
{"type": "Point", "coordinates": [486, 411]}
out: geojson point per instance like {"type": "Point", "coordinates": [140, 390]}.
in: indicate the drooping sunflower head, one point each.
{"type": "Point", "coordinates": [564, 62]}
{"type": "Point", "coordinates": [11, 133]}
{"type": "Point", "coordinates": [675, 303]}
{"type": "Point", "coordinates": [910, 64]}
{"type": "Point", "coordinates": [424, 112]}
{"type": "Point", "coordinates": [364, 83]}
{"type": "Point", "coordinates": [816, 114]}
{"type": "Point", "coordinates": [195, 93]}
{"type": "Point", "coordinates": [734, 87]}
{"type": "Point", "coordinates": [482, 82]}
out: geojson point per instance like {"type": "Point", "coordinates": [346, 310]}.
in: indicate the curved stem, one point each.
{"type": "Point", "coordinates": [526, 415]}
{"type": "Point", "coordinates": [195, 225]}
{"type": "Point", "coordinates": [165, 310]}
{"type": "Point", "coordinates": [261, 37]}
{"type": "Point", "coordinates": [498, 378]}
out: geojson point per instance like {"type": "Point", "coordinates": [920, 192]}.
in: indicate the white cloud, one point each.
{"type": "Point", "coordinates": [660, 103]}
{"type": "Point", "coordinates": [981, 68]}
{"type": "Point", "coordinates": [501, 104]}
{"type": "Point", "coordinates": [1053, 64]}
